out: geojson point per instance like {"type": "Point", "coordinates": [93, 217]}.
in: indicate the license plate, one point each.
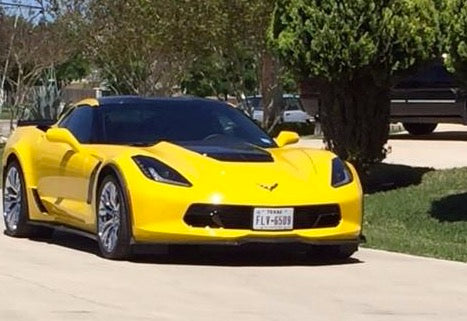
{"type": "Point", "coordinates": [273, 219]}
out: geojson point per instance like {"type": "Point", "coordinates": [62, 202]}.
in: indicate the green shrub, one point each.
{"type": "Point", "coordinates": [351, 52]}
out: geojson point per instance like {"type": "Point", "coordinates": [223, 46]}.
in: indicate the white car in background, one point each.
{"type": "Point", "coordinates": [293, 110]}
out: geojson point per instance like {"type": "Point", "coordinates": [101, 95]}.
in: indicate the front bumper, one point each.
{"type": "Point", "coordinates": [161, 220]}
{"type": "Point", "coordinates": [158, 212]}
{"type": "Point", "coordinates": [258, 240]}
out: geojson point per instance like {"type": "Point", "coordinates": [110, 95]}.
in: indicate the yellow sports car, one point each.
{"type": "Point", "coordinates": [130, 170]}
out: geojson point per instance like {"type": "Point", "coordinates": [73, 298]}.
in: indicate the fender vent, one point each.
{"type": "Point", "coordinates": [38, 201]}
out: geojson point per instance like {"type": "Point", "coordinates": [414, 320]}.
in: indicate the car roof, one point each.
{"type": "Point", "coordinates": [131, 100]}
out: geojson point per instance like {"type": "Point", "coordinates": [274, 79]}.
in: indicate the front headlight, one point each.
{"type": "Point", "coordinates": [160, 172]}
{"type": "Point", "coordinates": [341, 174]}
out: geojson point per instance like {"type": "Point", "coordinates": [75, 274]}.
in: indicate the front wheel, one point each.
{"type": "Point", "coordinates": [15, 202]}
{"type": "Point", "coordinates": [15, 206]}
{"type": "Point", "coordinates": [113, 230]}
{"type": "Point", "coordinates": [419, 128]}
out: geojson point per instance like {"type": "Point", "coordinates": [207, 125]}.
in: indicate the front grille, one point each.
{"type": "Point", "coordinates": [241, 217]}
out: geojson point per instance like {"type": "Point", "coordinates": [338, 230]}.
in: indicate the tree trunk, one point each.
{"type": "Point", "coordinates": [355, 119]}
{"type": "Point", "coordinates": [309, 96]}
{"type": "Point", "coordinates": [271, 91]}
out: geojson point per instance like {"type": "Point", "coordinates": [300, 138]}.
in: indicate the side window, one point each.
{"type": "Point", "coordinates": [65, 116]}
{"type": "Point", "coordinates": [80, 123]}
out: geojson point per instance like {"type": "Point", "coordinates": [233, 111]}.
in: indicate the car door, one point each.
{"type": "Point", "coordinates": [64, 175]}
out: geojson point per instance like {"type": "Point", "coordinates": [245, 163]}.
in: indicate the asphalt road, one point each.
{"type": "Point", "coordinates": [64, 279]}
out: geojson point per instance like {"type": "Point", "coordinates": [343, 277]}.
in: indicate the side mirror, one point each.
{"type": "Point", "coordinates": [62, 135]}
{"type": "Point", "coordinates": [286, 138]}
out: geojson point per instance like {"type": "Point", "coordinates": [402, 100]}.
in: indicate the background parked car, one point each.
{"type": "Point", "coordinates": [293, 110]}
{"type": "Point", "coordinates": [430, 96]}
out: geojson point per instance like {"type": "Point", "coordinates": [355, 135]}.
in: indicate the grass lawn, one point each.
{"type": "Point", "coordinates": [427, 218]}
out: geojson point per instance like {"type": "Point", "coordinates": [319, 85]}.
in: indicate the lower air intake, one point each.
{"type": "Point", "coordinates": [241, 217]}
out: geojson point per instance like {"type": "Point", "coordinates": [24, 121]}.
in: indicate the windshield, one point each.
{"type": "Point", "coordinates": [179, 122]}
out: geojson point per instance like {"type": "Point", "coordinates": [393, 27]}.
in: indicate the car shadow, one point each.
{"type": "Point", "coordinates": [452, 208]}
{"type": "Point", "coordinates": [207, 255]}
{"type": "Point", "coordinates": [71, 241]}
{"type": "Point", "coordinates": [384, 177]}
{"type": "Point", "coordinates": [436, 136]}
{"type": "Point", "coordinates": [267, 255]}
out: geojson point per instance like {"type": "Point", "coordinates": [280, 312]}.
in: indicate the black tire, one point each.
{"type": "Point", "coordinates": [333, 252]}
{"type": "Point", "coordinates": [419, 128]}
{"type": "Point", "coordinates": [121, 249]}
{"type": "Point", "coordinates": [21, 228]}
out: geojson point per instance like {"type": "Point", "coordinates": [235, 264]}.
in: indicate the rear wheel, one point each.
{"type": "Point", "coordinates": [419, 128]}
{"type": "Point", "coordinates": [113, 229]}
{"type": "Point", "coordinates": [15, 205]}
{"type": "Point", "coordinates": [339, 252]}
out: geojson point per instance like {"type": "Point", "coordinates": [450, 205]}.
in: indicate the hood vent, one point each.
{"type": "Point", "coordinates": [238, 152]}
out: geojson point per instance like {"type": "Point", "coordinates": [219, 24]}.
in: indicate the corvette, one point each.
{"type": "Point", "coordinates": [130, 170]}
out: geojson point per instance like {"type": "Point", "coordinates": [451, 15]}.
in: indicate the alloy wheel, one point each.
{"type": "Point", "coordinates": [109, 216]}
{"type": "Point", "coordinates": [12, 199]}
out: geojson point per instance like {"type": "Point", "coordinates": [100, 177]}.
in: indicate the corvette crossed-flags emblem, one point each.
{"type": "Point", "coordinates": [269, 187]}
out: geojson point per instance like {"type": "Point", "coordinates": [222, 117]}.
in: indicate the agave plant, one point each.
{"type": "Point", "coordinates": [45, 99]}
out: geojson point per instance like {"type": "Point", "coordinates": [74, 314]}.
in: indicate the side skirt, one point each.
{"type": "Point", "coordinates": [56, 226]}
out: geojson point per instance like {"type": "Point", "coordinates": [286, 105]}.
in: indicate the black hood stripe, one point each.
{"type": "Point", "coordinates": [238, 152]}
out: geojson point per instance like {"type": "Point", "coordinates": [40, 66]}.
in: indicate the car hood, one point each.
{"type": "Point", "coordinates": [220, 168]}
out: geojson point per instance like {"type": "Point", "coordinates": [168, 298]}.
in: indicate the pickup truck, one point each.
{"type": "Point", "coordinates": [293, 110]}
{"type": "Point", "coordinates": [427, 98]}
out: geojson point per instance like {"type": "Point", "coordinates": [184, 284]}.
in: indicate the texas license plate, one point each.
{"type": "Point", "coordinates": [273, 219]}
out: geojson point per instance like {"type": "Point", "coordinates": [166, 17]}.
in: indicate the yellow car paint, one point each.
{"type": "Point", "coordinates": [65, 178]}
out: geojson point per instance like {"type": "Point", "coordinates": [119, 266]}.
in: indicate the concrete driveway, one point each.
{"type": "Point", "coordinates": [64, 279]}
{"type": "Point", "coordinates": [445, 148]}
